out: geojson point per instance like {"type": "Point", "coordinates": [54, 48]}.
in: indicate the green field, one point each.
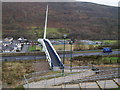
{"type": "Point", "coordinates": [97, 59]}
{"type": "Point", "coordinates": [110, 59]}
{"type": "Point", "coordinates": [107, 41]}
{"type": "Point", "coordinates": [34, 47]}
{"type": "Point", "coordinates": [51, 32]}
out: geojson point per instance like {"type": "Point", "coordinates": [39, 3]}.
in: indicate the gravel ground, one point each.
{"type": "Point", "coordinates": [102, 74]}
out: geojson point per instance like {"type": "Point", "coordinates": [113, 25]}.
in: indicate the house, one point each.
{"type": "Point", "coordinates": [15, 42]}
{"type": "Point", "coordinates": [7, 49]}
{"type": "Point", "coordinates": [10, 39]}
{"type": "Point", "coordinates": [19, 47]}
{"type": "Point", "coordinates": [0, 41]}
{"type": "Point", "coordinates": [11, 48]}
{"type": "Point", "coordinates": [1, 47]}
{"type": "Point", "coordinates": [16, 48]}
{"type": "Point", "coordinates": [22, 39]}
{"type": "Point", "coordinates": [6, 43]}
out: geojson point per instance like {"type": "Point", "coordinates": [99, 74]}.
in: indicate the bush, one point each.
{"type": "Point", "coordinates": [81, 46]}
{"type": "Point", "coordinates": [93, 59]}
{"type": "Point", "coordinates": [13, 72]}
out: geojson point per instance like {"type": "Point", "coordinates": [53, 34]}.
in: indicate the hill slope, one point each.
{"type": "Point", "coordinates": [80, 19]}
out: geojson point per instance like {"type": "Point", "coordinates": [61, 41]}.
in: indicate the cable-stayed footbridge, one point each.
{"type": "Point", "coordinates": [51, 54]}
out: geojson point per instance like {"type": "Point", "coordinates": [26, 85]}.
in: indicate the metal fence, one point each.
{"type": "Point", "coordinates": [38, 78]}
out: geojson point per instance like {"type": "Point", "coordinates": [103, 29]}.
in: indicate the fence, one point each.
{"type": "Point", "coordinates": [59, 78]}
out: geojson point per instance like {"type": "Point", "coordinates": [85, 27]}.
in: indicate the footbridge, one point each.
{"type": "Point", "coordinates": [51, 54]}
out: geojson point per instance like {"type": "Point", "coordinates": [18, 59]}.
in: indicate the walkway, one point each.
{"type": "Point", "coordinates": [59, 80]}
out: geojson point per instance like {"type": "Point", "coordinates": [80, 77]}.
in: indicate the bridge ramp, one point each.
{"type": "Point", "coordinates": [54, 57]}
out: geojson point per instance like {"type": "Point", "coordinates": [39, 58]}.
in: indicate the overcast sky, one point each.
{"type": "Point", "coordinates": [105, 2]}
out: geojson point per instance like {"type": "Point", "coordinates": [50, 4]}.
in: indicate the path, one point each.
{"type": "Point", "coordinates": [59, 80]}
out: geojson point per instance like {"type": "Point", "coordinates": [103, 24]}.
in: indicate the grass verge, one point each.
{"type": "Point", "coordinates": [19, 88]}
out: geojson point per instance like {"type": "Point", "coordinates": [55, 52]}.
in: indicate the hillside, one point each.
{"type": "Point", "coordinates": [79, 20]}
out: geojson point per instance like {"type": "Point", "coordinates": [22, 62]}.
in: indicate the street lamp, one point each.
{"type": "Point", "coordinates": [64, 36]}
{"type": "Point", "coordinates": [71, 43]}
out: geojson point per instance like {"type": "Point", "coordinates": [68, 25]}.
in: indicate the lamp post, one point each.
{"type": "Point", "coordinates": [64, 36]}
{"type": "Point", "coordinates": [71, 43]}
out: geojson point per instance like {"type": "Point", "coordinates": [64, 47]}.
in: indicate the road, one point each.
{"type": "Point", "coordinates": [25, 48]}
{"type": "Point", "coordinates": [36, 57]}
{"type": "Point", "coordinates": [97, 53]}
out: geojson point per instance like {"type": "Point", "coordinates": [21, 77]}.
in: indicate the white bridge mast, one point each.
{"type": "Point", "coordinates": [45, 23]}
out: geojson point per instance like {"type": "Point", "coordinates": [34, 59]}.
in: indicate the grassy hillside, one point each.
{"type": "Point", "coordinates": [81, 20]}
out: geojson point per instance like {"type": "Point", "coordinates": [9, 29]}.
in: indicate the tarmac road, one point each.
{"type": "Point", "coordinates": [25, 48]}
{"type": "Point", "coordinates": [37, 57]}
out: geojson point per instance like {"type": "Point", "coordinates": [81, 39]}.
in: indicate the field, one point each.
{"type": "Point", "coordinates": [12, 72]}
{"type": "Point", "coordinates": [57, 47]}
{"type": "Point", "coordinates": [34, 47]}
{"type": "Point", "coordinates": [111, 59]}
{"type": "Point", "coordinates": [51, 32]}
{"type": "Point", "coordinates": [107, 41]}
{"type": "Point", "coordinates": [97, 60]}
{"type": "Point", "coordinates": [61, 47]}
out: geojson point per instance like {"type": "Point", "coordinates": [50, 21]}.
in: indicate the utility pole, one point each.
{"type": "Point", "coordinates": [64, 36]}
{"type": "Point", "coordinates": [71, 43]}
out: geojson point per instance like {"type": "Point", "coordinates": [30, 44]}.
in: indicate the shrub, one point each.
{"type": "Point", "coordinates": [13, 72]}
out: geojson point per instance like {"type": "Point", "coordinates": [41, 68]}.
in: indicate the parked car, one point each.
{"type": "Point", "coordinates": [107, 50]}
{"type": "Point", "coordinates": [95, 69]}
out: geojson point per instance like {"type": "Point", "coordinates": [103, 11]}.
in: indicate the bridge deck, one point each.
{"type": "Point", "coordinates": [54, 58]}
